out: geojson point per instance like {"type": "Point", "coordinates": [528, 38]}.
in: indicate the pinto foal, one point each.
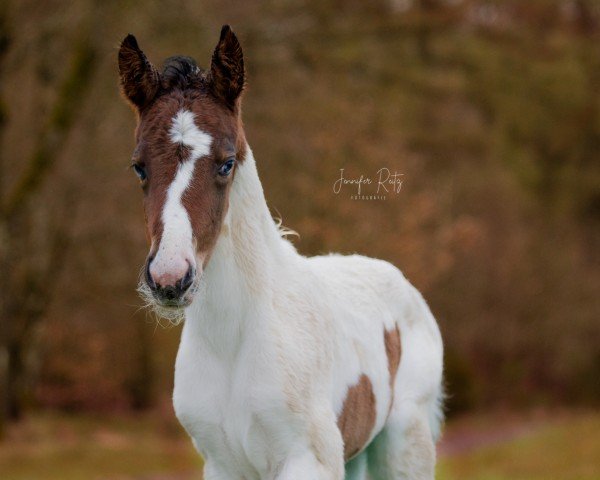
{"type": "Point", "coordinates": [289, 368]}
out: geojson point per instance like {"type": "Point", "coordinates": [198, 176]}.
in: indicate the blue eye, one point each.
{"type": "Point", "coordinates": [140, 171]}
{"type": "Point", "coordinates": [225, 169]}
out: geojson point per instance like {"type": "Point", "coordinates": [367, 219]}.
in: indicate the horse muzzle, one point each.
{"type": "Point", "coordinates": [171, 287]}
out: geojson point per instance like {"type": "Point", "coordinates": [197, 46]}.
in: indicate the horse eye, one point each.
{"type": "Point", "coordinates": [225, 169]}
{"type": "Point", "coordinates": [140, 171]}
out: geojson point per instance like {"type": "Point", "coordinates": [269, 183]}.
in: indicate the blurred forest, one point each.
{"type": "Point", "coordinates": [490, 109]}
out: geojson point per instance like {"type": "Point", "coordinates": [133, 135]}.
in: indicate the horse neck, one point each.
{"type": "Point", "coordinates": [244, 265]}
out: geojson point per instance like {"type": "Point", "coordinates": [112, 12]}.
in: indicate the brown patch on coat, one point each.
{"type": "Point", "coordinates": [213, 97]}
{"type": "Point", "coordinates": [358, 417]}
{"type": "Point", "coordinates": [206, 198]}
{"type": "Point", "coordinates": [393, 351]}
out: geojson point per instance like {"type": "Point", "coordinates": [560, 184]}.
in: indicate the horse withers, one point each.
{"type": "Point", "coordinates": [289, 368]}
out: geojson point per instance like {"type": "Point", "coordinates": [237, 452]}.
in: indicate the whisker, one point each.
{"type": "Point", "coordinates": [174, 316]}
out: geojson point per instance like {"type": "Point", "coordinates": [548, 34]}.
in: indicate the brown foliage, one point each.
{"type": "Point", "coordinates": [489, 109]}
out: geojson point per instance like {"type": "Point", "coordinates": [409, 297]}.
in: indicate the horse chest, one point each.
{"type": "Point", "coordinates": [229, 410]}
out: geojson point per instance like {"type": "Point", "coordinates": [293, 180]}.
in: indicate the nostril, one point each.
{"type": "Point", "coordinates": [149, 280]}
{"type": "Point", "coordinates": [187, 281]}
{"type": "Point", "coordinates": [169, 282]}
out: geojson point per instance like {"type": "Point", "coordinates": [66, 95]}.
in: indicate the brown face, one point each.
{"type": "Point", "coordinates": [189, 141]}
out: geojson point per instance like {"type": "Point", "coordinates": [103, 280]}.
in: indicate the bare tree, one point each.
{"type": "Point", "coordinates": [26, 283]}
{"type": "Point", "coordinates": [4, 43]}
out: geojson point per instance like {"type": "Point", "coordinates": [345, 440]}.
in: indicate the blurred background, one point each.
{"type": "Point", "coordinates": [489, 109]}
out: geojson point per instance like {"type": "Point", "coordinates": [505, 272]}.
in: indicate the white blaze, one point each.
{"type": "Point", "coordinates": [176, 252]}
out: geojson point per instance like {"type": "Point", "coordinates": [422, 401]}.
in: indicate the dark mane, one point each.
{"type": "Point", "coordinates": [180, 72]}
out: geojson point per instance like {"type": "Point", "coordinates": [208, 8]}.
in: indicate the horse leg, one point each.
{"type": "Point", "coordinates": [322, 459]}
{"type": "Point", "coordinates": [404, 449]}
{"type": "Point", "coordinates": [356, 469]}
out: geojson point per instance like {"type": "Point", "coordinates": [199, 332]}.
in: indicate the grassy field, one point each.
{"type": "Point", "coordinates": [566, 447]}
{"type": "Point", "coordinates": [50, 447]}
{"type": "Point", "coordinates": [150, 447]}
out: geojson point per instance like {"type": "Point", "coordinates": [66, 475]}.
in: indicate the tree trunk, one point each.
{"type": "Point", "coordinates": [4, 44]}
{"type": "Point", "coordinates": [141, 383]}
{"type": "Point", "coordinates": [25, 285]}
{"type": "Point", "coordinates": [15, 391]}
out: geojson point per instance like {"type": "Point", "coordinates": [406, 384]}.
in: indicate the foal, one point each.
{"type": "Point", "coordinates": [289, 368]}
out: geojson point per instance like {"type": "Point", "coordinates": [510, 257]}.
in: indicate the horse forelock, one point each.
{"type": "Point", "coordinates": [181, 72]}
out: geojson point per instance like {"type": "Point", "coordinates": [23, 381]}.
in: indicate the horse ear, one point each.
{"type": "Point", "coordinates": [139, 79]}
{"type": "Point", "coordinates": [227, 75]}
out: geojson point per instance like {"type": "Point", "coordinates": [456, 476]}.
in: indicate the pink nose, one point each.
{"type": "Point", "coordinates": [169, 275]}
{"type": "Point", "coordinates": [170, 284]}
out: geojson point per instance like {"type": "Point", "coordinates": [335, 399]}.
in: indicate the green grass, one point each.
{"type": "Point", "coordinates": [153, 447]}
{"type": "Point", "coordinates": [567, 449]}
{"type": "Point", "coordinates": [51, 447]}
